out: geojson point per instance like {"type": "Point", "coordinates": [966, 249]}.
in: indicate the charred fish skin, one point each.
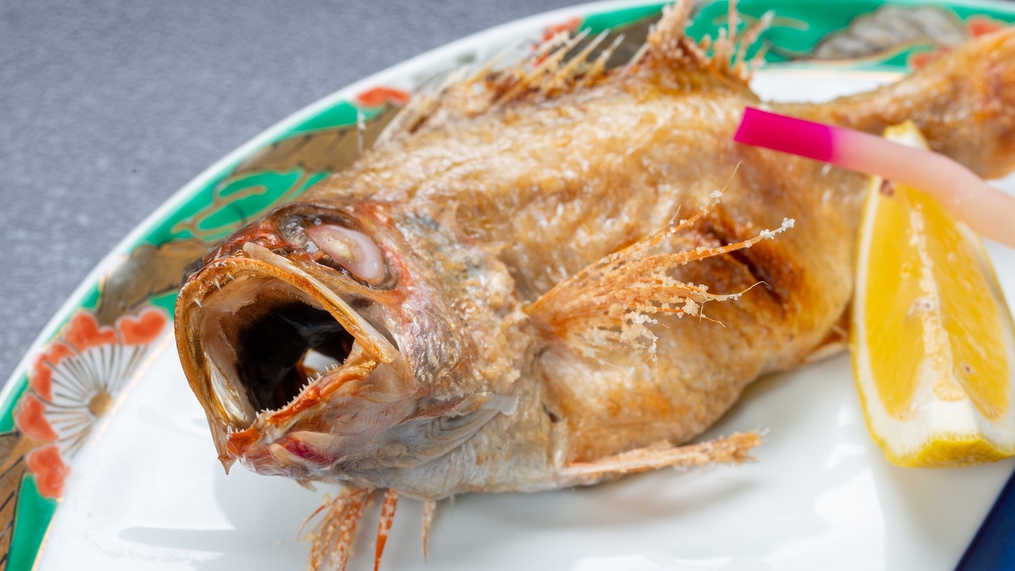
{"type": "Point", "coordinates": [499, 291]}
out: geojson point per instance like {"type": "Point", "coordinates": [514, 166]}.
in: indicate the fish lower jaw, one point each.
{"type": "Point", "coordinates": [271, 426]}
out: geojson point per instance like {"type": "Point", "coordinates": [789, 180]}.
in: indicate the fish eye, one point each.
{"type": "Point", "coordinates": [352, 249]}
{"type": "Point", "coordinates": [337, 242]}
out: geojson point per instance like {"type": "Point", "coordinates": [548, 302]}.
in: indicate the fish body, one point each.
{"type": "Point", "coordinates": [551, 277]}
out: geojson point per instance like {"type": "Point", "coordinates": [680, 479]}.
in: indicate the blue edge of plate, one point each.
{"type": "Point", "coordinates": [993, 546]}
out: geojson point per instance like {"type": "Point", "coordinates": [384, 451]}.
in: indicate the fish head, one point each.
{"type": "Point", "coordinates": [322, 346]}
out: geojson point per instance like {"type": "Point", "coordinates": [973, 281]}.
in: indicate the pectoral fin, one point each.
{"type": "Point", "coordinates": [611, 301]}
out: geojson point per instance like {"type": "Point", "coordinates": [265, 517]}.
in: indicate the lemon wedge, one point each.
{"type": "Point", "coordinates": [932, 339]}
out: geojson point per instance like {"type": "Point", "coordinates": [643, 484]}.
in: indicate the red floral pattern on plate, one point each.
{"type": "Point", "coordinates": [49, 469]}
{"type": "Point", "coordinates": [31, 421]}
{"type": "Point", "coordinates": [569, 26]}
{"type": "Point", "coordinates": [74, 383]}
{"type": "Point", "coordinates": [378, 96]}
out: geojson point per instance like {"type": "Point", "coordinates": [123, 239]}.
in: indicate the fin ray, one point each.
{"type": "Point", "coordinates": [560, 65]}
{"type": "Point", "coordinates": [612, 300]}
{"type": "Point", "coordinates": [730, 450]}
{"type": "Point", "coordinates": [332, 538]}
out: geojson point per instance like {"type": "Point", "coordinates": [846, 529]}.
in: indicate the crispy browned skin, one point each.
{"type": "Point", "coordinates": [486, 200]}
{"type": "Point", "coordinates": [562, 183]}
{"type": "Point", "coordinates": [578, 177]}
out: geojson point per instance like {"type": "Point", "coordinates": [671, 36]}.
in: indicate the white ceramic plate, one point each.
{"type": "Point", "coordinates": [147, 492]}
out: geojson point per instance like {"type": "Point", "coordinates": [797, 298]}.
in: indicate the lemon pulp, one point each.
{"type": "Point", "coordinates": [931, 337]}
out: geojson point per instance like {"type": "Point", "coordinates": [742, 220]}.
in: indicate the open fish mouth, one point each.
{"type": "Point", "coordinates": [263, 340]}
{"type": "Point", "coordinates": [277, 342]}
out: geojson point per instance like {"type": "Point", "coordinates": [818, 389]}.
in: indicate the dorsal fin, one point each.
{"type": "Point", "coordinates": [726, 54]}
{"type": "Point", "coordinates": [545, 73]}
{"type": "Point", "coordinates": [562, 65]}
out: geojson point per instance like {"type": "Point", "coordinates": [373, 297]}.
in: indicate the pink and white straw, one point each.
{"type": "Point", "coordinates": [984, 208]}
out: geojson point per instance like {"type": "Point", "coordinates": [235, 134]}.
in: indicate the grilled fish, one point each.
{"type": "Point", "coordinates": [549, 275]}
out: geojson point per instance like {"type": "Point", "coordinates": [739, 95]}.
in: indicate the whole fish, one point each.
{"type": "Point", "coordinates": [549, 275]}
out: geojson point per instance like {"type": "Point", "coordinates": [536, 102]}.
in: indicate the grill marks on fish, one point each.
{"type": "Point", "coordinates": [756, 261]}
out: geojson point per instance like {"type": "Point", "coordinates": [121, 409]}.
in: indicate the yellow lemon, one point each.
{"type": "Point", "coordinates": [932, 338]}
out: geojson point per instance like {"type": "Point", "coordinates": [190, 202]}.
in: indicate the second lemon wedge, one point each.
{"type": "Point", "coordinates": [932, 339]}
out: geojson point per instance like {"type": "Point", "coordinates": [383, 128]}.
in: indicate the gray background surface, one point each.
{"type": "Point", "coordinates": [108, 107]}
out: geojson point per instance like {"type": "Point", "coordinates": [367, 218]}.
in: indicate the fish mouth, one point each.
{"type": "Point", "coordinates": [277, 342]}
{"type": "Point", "coordinates": [262, 340]}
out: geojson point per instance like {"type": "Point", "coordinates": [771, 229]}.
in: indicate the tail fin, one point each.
{"type": "Point", "coordinates": [964, 103]}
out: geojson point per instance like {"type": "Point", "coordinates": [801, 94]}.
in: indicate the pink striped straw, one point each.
{"type": "Point", "coordinates": [984, 208]}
